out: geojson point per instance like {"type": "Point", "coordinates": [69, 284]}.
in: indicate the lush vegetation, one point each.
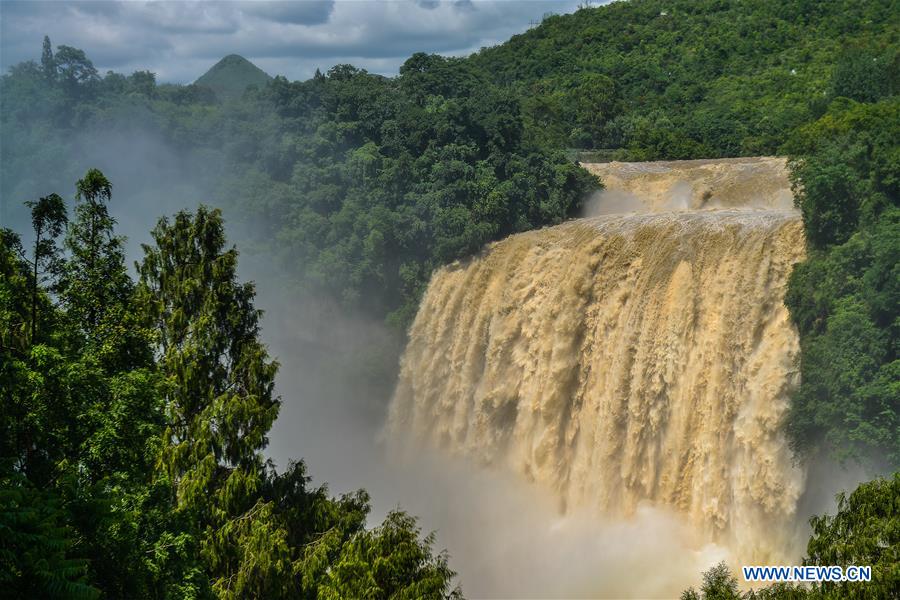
{"type": "Point", "coordinates": [663, 79]}
{"type": "Point", "coordinates": [133, 415]}
{"type": "Point", "coordinates": [357, 184]}
{"type": "Point", "coordinates": [845, 299]}
{"type": "Point", "coordinates": [864, 531]}
{"type": "Point", "coordinates": [134, 412]}
{"type": "Point", "coordinates": [360, 185]}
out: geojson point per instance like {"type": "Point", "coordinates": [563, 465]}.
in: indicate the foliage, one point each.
{"type": "Point", "coordinates": [48, 217]}
{"type": "Point", "coordinates": [389, 562]}
{"type": "Point", "coordinates": [718, 584]}
{"type": "Point", "coordinates": [357, 185]}
{"type": "Point", "coordinates": [845, 168]}
{"type": "Point", "coordinates": [845, 298]}
{"type": "Point", "coordinates": [864, 531]}
{"type": "Point", "coordinates": [132, 423]}
{"type": "Point", "coordinates": [657, 79]}
{"type": "Point", "coordinates": [34, 540]}
{"type": "Point", "coordinates": [219, 396]}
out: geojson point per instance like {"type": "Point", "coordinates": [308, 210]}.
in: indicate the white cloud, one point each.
{"type": "Point", "coordinates": [180, 40]}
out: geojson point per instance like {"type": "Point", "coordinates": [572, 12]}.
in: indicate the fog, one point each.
{"type": "Point", "coordinates": [505, 537]}
{"type": "Point", "coordinates": [149, 180]}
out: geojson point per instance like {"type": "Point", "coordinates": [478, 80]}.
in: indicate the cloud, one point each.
{"type": "Point", "coordinates": [310, 12]}
{"type": "Point", "coordinates": [180, 40]}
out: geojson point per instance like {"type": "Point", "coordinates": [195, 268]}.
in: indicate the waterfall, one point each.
{"type": "Point", "coordinates": [627, 359]}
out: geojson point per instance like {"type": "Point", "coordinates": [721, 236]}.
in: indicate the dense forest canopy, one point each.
{"type": "Point", "coordinates": [358, 184]}
{"type": "Point", "coordinates": [657, 79]}
{"type": "Point", "coordinates": [135, 408]}
{"type": "Point", "coordinates": [361, 184]}
{"type": "Point", "coordinates": [845, 299]}
{"type": "Point", "coordinates": [134, 414]}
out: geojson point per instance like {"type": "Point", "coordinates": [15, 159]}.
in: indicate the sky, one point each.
{"type": "Point", "coordinates": [179, 41]}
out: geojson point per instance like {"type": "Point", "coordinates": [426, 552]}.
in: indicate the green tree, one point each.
{"type": "Point", "coordinates": [830, 193]}
{"type": "Point", "coordinates": [389, 562]}
{"type": "Point", "coordinates": [48, 219]}
{"type": "Point", "coordinates": [219, 399]}
{"type": "Point", "coordinates": [593, 103]}
{"type": "Point", "coordinates": [845, 299]}
{"type": "Point", "coordinates": [864, 531]}
{"type": "Point", "coordinates": [34, 540]}
{"type": "Point", "coordinates": [48, 63]}
{"type": "Point", "coordinates": [143, 82]}
{"type": "Point", "coordinates": [75, 69]}
{"type": "Point", "coordinates": [36, 536]}
{"type": "Point", "coordinates": [718, 584]}
{"type": "Point", "coordinates": [15, 343]}
{"type": "Point", "coordinates": [865, 76]}
{"type": "Point", "coordinates": [96, 253]}
{"type": "Point", "coordinates": [132, 467]}
{"type": "Point", "coordinates": [95, 286]}
{"type": "Point", "coordinates": [36, 424]}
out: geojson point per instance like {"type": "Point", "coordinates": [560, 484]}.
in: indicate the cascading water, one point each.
{"type": "Point", "coordinates": [626, 359]}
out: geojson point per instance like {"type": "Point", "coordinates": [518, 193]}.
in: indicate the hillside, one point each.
{"type": "Point", "coordinates": [138, 403]}
{"type": "Point", "coordinates": [362, 184]}
{"type": "Point", "coordinates": [660, 79]}
{"type": "Point", "coordinates": [229, 77]}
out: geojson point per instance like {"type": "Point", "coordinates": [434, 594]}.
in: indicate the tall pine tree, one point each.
{"type": "Point", "coordinates": [48, 63]}
{"type": "Point", "coordinates": [132, 433]}
{"type": "Point", "coordinates": [96, 289]}
{"type": "Point", "coordinates": [219, 398]}
{"type": "Point", "coordinates": [48, 219]}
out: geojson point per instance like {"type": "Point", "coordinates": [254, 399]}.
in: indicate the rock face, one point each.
{"type": "Point", "coordinates": [624, 359]}
{"type": "Point", "coordinates": [231, 76]}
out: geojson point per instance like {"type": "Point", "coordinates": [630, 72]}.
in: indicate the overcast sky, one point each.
{"type": "Point", "coordinates": [179, 41]}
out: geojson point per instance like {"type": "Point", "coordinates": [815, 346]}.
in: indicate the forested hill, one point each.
{"type": "Point", "coordinates": [669, 79]}
{"type": "Point", "coordinates": [231, 76]}
{"type": "Point", "coordinates": [360, 185]}
{"type": "Point", "coordinates": [357, 185]}
{"type": "Point", "coordinates": [133, 467]}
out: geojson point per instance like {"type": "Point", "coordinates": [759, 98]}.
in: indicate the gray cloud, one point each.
{"type": "Point", "coordinates": [310, 12]}
{"type": "Point", "coordinates": [466, 5]}
{"type": "Point", "coordinates": [180, 40]}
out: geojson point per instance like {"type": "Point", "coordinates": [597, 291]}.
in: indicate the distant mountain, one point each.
{"type": "Point", "coordinates": [229, 77]}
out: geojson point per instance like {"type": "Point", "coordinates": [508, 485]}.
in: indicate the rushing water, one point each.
{"type": "Point", "coordinates": [629, 359]}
